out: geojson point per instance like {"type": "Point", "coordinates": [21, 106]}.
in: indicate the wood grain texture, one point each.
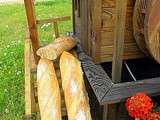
{"type": "Point", "coordinates": [119, 36]}
{"type": "Point", "coordinates": [99, 31]}
{"type": "Point", "coordinates": [32, 27]}
{"type": "Point", "coordinates": [56, 31]}
{"type": "Point", "coordinates": [84, 24]}
{"type": "Point", "coordinates": [119, 92]}
{"type": "Point", "coordinates": [152, 28]}
{"type": "Point", "coordinates": [97, 77]}
{"type": "Point", "coordinates": [30, 102]}
{"type": "Point", "coordinates": [96, 17]}
{"type": "Point", "coordinates": [28, 89]}
{"type": "Point", "coordinates": [138, 24]}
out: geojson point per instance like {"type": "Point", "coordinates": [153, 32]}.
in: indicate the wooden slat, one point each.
{"type": "Point", "coordinates": [84, 23]}
{"type": "Point", "coordinates": [28, 89]}
{"type": "Point", "coordinates": [119, 92]}
{"type": "Point", "coordinates": [109, 15]}
{"type": "Point", "coordinates": [30, 103]}
{"type": "Point", "coordinates": [96, 12]}
{"type": "Point", "coordinates": [52, 20]}
{"type": "Point", "coordinates": [129, 49]}
{"type": "Point", "coordinates": [121, 8]}
{"type": "Point", "coordinates": [112, 3]}
{"type": "Point", "coordinates": [32, 27]}
{"type": "Point", "coordinates": [107, 36]}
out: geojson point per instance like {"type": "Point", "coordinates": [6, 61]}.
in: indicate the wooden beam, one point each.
{"type": "Point", "coordinates": [119, 92]}
{"type": "Point", "coordinates": [52, 20]}
{"type": "Point", "coordinates": [121, 8]}
{"type": "Point", "coordinates": [32, 27]}
{"type": "Point", "coordinates": [96, 76]}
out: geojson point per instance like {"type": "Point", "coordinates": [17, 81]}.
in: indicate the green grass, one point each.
{"type": "Point", "coordinates": [12, 33]}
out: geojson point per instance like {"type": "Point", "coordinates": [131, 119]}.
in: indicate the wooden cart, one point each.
{"type": "Point", "coordinates": [102, 88]}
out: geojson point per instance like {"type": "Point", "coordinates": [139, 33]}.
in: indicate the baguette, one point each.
{"type": "Point", "coordinates": [48, 91]}
{"type": "Point", "coordinates": [54, 50]}
{"type": "Point", "coordinates": [76, 97]}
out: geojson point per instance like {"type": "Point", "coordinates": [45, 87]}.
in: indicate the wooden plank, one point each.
{"type": "Point", "coordinates": [28, 101]}
{"type": "Point", "coordinates": [129, 49]}
{"type": "Point", "coordinates": [107, 36]}
{"type": "Point", "coordinates": [109, 58]}
{"type": "Point", "coordinates": [96, 12]}
{"type": "Point", "coordinates": [109, 15]}
{"type": "Point", "coordinates": [32, 27]}
{"type": "Point", "coordinates": [121, 8]}
{"type": "Point", "coordinates": [119, 92]}
{"type": "Point", "coordinates": [112, 3]}
{"type": "Point", "coordinates": [52, 20]}
{"type": "Point", "coordinates": [105, 112]}
{"type": "Point", "coordinates": [84, 23]}
{"type": "Point", "coordinates": [56, 31]}
{"type": "Point", "coordinates": [97, 77]}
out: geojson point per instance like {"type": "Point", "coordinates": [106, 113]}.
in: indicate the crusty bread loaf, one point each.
{"type": "Point", "coordinates": [76, 97]}
{"type": "Point", "coordinates": [48, 91]}
{"type": "Point", "coordinates": [54, 50]}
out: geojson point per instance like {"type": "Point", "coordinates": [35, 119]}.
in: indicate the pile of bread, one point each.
{"type": "Point", "coordinates": [49, 95]}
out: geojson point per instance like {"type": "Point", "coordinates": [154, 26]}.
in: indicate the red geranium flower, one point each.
{"type": "Point", "coordinates": [139, 105]}
{"type": "Point", "coordinates": [153, 116]}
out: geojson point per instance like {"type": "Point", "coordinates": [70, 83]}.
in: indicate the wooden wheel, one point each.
{"type": "Point", "coordinates": [152, 28]}
{"type": "Point", "coordinates": [138, 24]}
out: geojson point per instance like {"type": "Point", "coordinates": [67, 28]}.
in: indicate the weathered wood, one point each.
{"type": "Point", "coordinates": [96, 24]}
{"type": "Point", "coordinates": [97, 77]}
{"type": "Point", "coordinates": [28, 90]}
{"type": "Point", "coordinates": [52, 20]}
{"type": "Point", "coordinates": [121, 8]}
{"type": "Point", "coordinates": [119, 92]}
{"type": "Point", "coordinates": [152, 28]}
{"type": "Point", "coordinates": [56, 31]}
{"type": "Point", "coordinates": [112, 3]}
{"type": "Point", "coordinates": [107, 36]}
{"type": "Point", "coordinates": [109, 16]}
{"type": "Point", "coordinates": [105, 112]}
{"type": "Point", "coordinates": [138, 24]}
{"type": "Point", "coordinates": [100, 29]}
{"type": "Point", "coordinates": [30, 103]}
{"type": "Point", "coordinates": [32, 27]}
{"type": "Point", "coordinates": [84, 24]}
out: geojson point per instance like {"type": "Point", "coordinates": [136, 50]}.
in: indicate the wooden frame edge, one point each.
{"type": "Point", "coordinates": [106, 91]}
{"type": "Point", "coordinates": [119, 92]}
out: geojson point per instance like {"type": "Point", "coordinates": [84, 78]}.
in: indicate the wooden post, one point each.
{"type": "Point", "coordinates": [56, 31]}
{"type": "Point", "coordinates": [32, 27]}
{"type": "Point", "coordinates": [73, 16]}
{"type": "Point", "coordinates": [119, 36]}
